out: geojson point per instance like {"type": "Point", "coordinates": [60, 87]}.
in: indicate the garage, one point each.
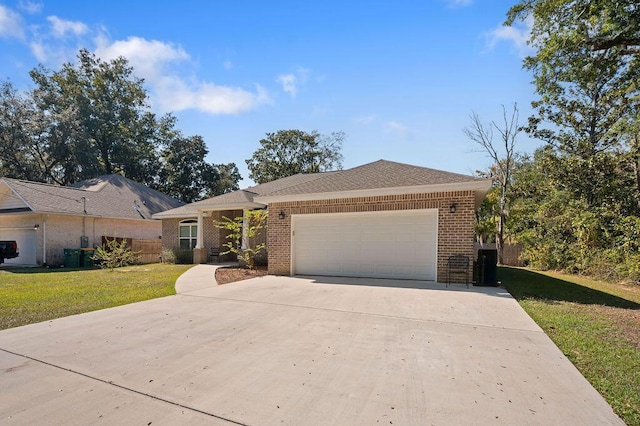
{"type": "Point", "coordinates": [391, 244]}
{"type": "Point", "coordinates": [26, 240]}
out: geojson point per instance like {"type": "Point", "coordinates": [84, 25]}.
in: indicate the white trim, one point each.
{"type": "Point", "coordinates": [478, 185]}
{"type": "Point", "coordinates": [17, 195]}
{"type": "Point", "coordinates": [218, 208]}
{"type": "Point", "coordinates": [199, 232]}
{"type": "Point", "coordinates": [245, 229]}
{"type": "Point", "coordinates": [188, 222]}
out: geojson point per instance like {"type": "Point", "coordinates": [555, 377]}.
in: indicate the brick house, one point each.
{"type": "Point", "coordinates": [45, 219]}
{"type": "Point", "coordinates": [383, 219]}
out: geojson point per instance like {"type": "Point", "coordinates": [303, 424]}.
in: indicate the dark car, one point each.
{"type": "Point", "coordinates": [8, 250]}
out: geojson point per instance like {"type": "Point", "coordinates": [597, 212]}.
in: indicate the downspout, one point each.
{"type": "Point", "coordinates": [44, 241]}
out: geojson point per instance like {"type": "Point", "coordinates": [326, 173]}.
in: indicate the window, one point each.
{"type": "Point", "coordinates": [188, 234]}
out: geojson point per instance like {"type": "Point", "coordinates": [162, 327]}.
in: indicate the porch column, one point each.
{"type": "Point", "coordinates": [200, 235]}
{"type": "Point", "coordinates": [199, 252]}
{"type": "Point", "coordinates": [245, 228]}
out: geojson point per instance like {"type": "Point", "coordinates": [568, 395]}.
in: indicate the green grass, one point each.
{"type": "Point", "coordinates": [35, 294]}
{"type": "Point", "coordinates": [595, 324]}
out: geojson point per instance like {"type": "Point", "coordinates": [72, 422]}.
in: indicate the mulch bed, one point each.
{"type": "Point", "coordinates": [227, 275]}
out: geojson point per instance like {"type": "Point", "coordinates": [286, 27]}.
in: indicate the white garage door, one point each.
{"type": "Point", "coordinates": [399, 244]}
{"type": "Point", "coordinates": [26, 240]}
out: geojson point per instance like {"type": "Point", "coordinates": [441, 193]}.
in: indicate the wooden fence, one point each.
{"type": "Point", "coordinates": [148, 250]}
{"type": "Point", "coordinates": [510, 252]}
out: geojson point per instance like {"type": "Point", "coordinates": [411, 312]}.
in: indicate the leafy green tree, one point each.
{"type": "Point", "coordinates": [97, 111]}
{"type": "Point", "coordinates": [16, 155]}
{"type": "Point", "coordinates": [289, 152]}
{"type": "Point", "coordinates": [227, 178]}
{"type": "Point", "coordinates": [256, 221]}
{"type": "Point", "coordinates": [586, 68]}
{"type": "Point", "coordinates": [601, 24]}
{"type": "Point", "coordinates": [92, 118]}
{"type": "Point", "coordinates": [184, 172]}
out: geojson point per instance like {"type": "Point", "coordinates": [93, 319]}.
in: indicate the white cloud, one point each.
{"type": "Point", "coordinates": [227, 65]}
{"type": "Point", "coordinates": [148, 57]}
{"type": "Point", "coordinates": [39, 51]}
{"type": "Point", "coordinates": [289, 84]}
{"type": "Point", "coordinates": [62, 27]}
{"type": "Point", "coordinates": [293, 81]}
{"type": "Point", "coordinates": [175, 94]}
{"type": "Point", "coordinates": [11, 25]}
{"type": "Point", "coordinates": [459, 3]}
{"type": "Point", "coordinates": [518, 35]}
{"type": "Point", "coordinates": [366, 119]}
{"type": "Point", "coordinates": [155, 61]}
{"type": "Point", "coordinates": [398, 128]}
{"type": "Point", "coordinates": [31, 7]}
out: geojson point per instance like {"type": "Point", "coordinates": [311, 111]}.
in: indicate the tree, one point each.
{"type": "Point", "coordinates": [600, 24]}
{"type": "Point", "coordinates": [289, 152]}
{"type": "Point", "coordinates": [16, 155]}
{"type": "Point", "coordinates": [228, 177]}
{"type": "Point", "coordinates": [504, 161]}
{"type": "Point", "coordinates": [96, 110]}
{"type": "Point", "coordinates": [186, 175]}
{"type": "Point", "coordinates": [586, 69]}
{"type": "Point", "coordinates": [243, 240]}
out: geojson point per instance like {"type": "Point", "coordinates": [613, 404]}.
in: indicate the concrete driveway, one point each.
{"type": "Point", "coordinates": [280, 350]}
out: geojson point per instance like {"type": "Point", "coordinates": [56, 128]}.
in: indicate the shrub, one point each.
{"type": "Point", "coordinates": [167, 256]}
{"type": "Point", "coordinates": [115, 254]}
{"type": "Point", "coordinates": [184, 257]}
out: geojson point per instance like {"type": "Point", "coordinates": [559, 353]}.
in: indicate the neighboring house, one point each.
{"type": "Point", "coordinates": [381, 220]}
{"type": "Point", "coordinates": [45, 219]}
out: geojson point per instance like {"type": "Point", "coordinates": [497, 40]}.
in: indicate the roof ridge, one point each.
{"type": "Point", "coordinates": [320, 175]}
{"type": "Point", "coordinates": [48, 185]}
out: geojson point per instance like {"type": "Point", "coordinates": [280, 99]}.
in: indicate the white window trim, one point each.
{"type": "Point", "coordinates": [188, 223]}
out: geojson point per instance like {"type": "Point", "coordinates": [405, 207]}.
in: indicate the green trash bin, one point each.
{"type": "Point", "coordinates": [86, 258]}
{"type": "Point", "coordinates": [72, 258]}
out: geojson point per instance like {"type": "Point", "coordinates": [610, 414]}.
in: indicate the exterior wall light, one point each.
{"type": "Point", "coordinates": [36, 226]}
{"type": "Point", "coordinates": [281, 215]}
{"type": "Point", "coordinates": [452, 208]}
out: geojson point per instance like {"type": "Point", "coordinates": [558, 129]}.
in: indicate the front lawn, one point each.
{"type": "Point", "coordinates": [36, 294]}
{"type": "Point", "coordinates": [595, 324]}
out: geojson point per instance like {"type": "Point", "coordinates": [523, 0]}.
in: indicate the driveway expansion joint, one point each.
{"type": "Point", "coordinates": [397, 317]}
{"type": "Point", "coordinates": [111, 383]}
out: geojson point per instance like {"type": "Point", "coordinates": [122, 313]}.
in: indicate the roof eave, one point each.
{"type": "Point", "coordinates": [481, 186]}
{"type": "Point", "coordinates": [212, 208]}
{"type": "Point", "coordinates": [7, 183]}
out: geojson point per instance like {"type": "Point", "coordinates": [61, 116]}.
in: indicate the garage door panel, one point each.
{"type": "Point", "coordinates": [26, 240]}
{"type": "Point", "coordinates": [381, 244]}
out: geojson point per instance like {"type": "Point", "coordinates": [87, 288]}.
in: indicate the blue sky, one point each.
{"type": "Point", "coordinates": [400, 78]}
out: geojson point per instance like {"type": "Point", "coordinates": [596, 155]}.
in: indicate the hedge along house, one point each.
{"type": "Point", "coordinates": [379, 220]}
{"type": "Point", "coordinates": [45, 219]}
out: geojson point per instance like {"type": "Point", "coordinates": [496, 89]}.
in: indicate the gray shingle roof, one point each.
{"type": "Point", "coordinates": [242, 198]}
{"type": "Point", "coordinates": [376, 175]}
{"type": "Point", "coordinates": [380, 174]}
{"type": "Point", "coordinates": [105, 196]}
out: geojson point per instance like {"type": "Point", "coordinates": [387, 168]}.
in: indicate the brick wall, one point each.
{"type": "Point", "coordinates": [455, 230]}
